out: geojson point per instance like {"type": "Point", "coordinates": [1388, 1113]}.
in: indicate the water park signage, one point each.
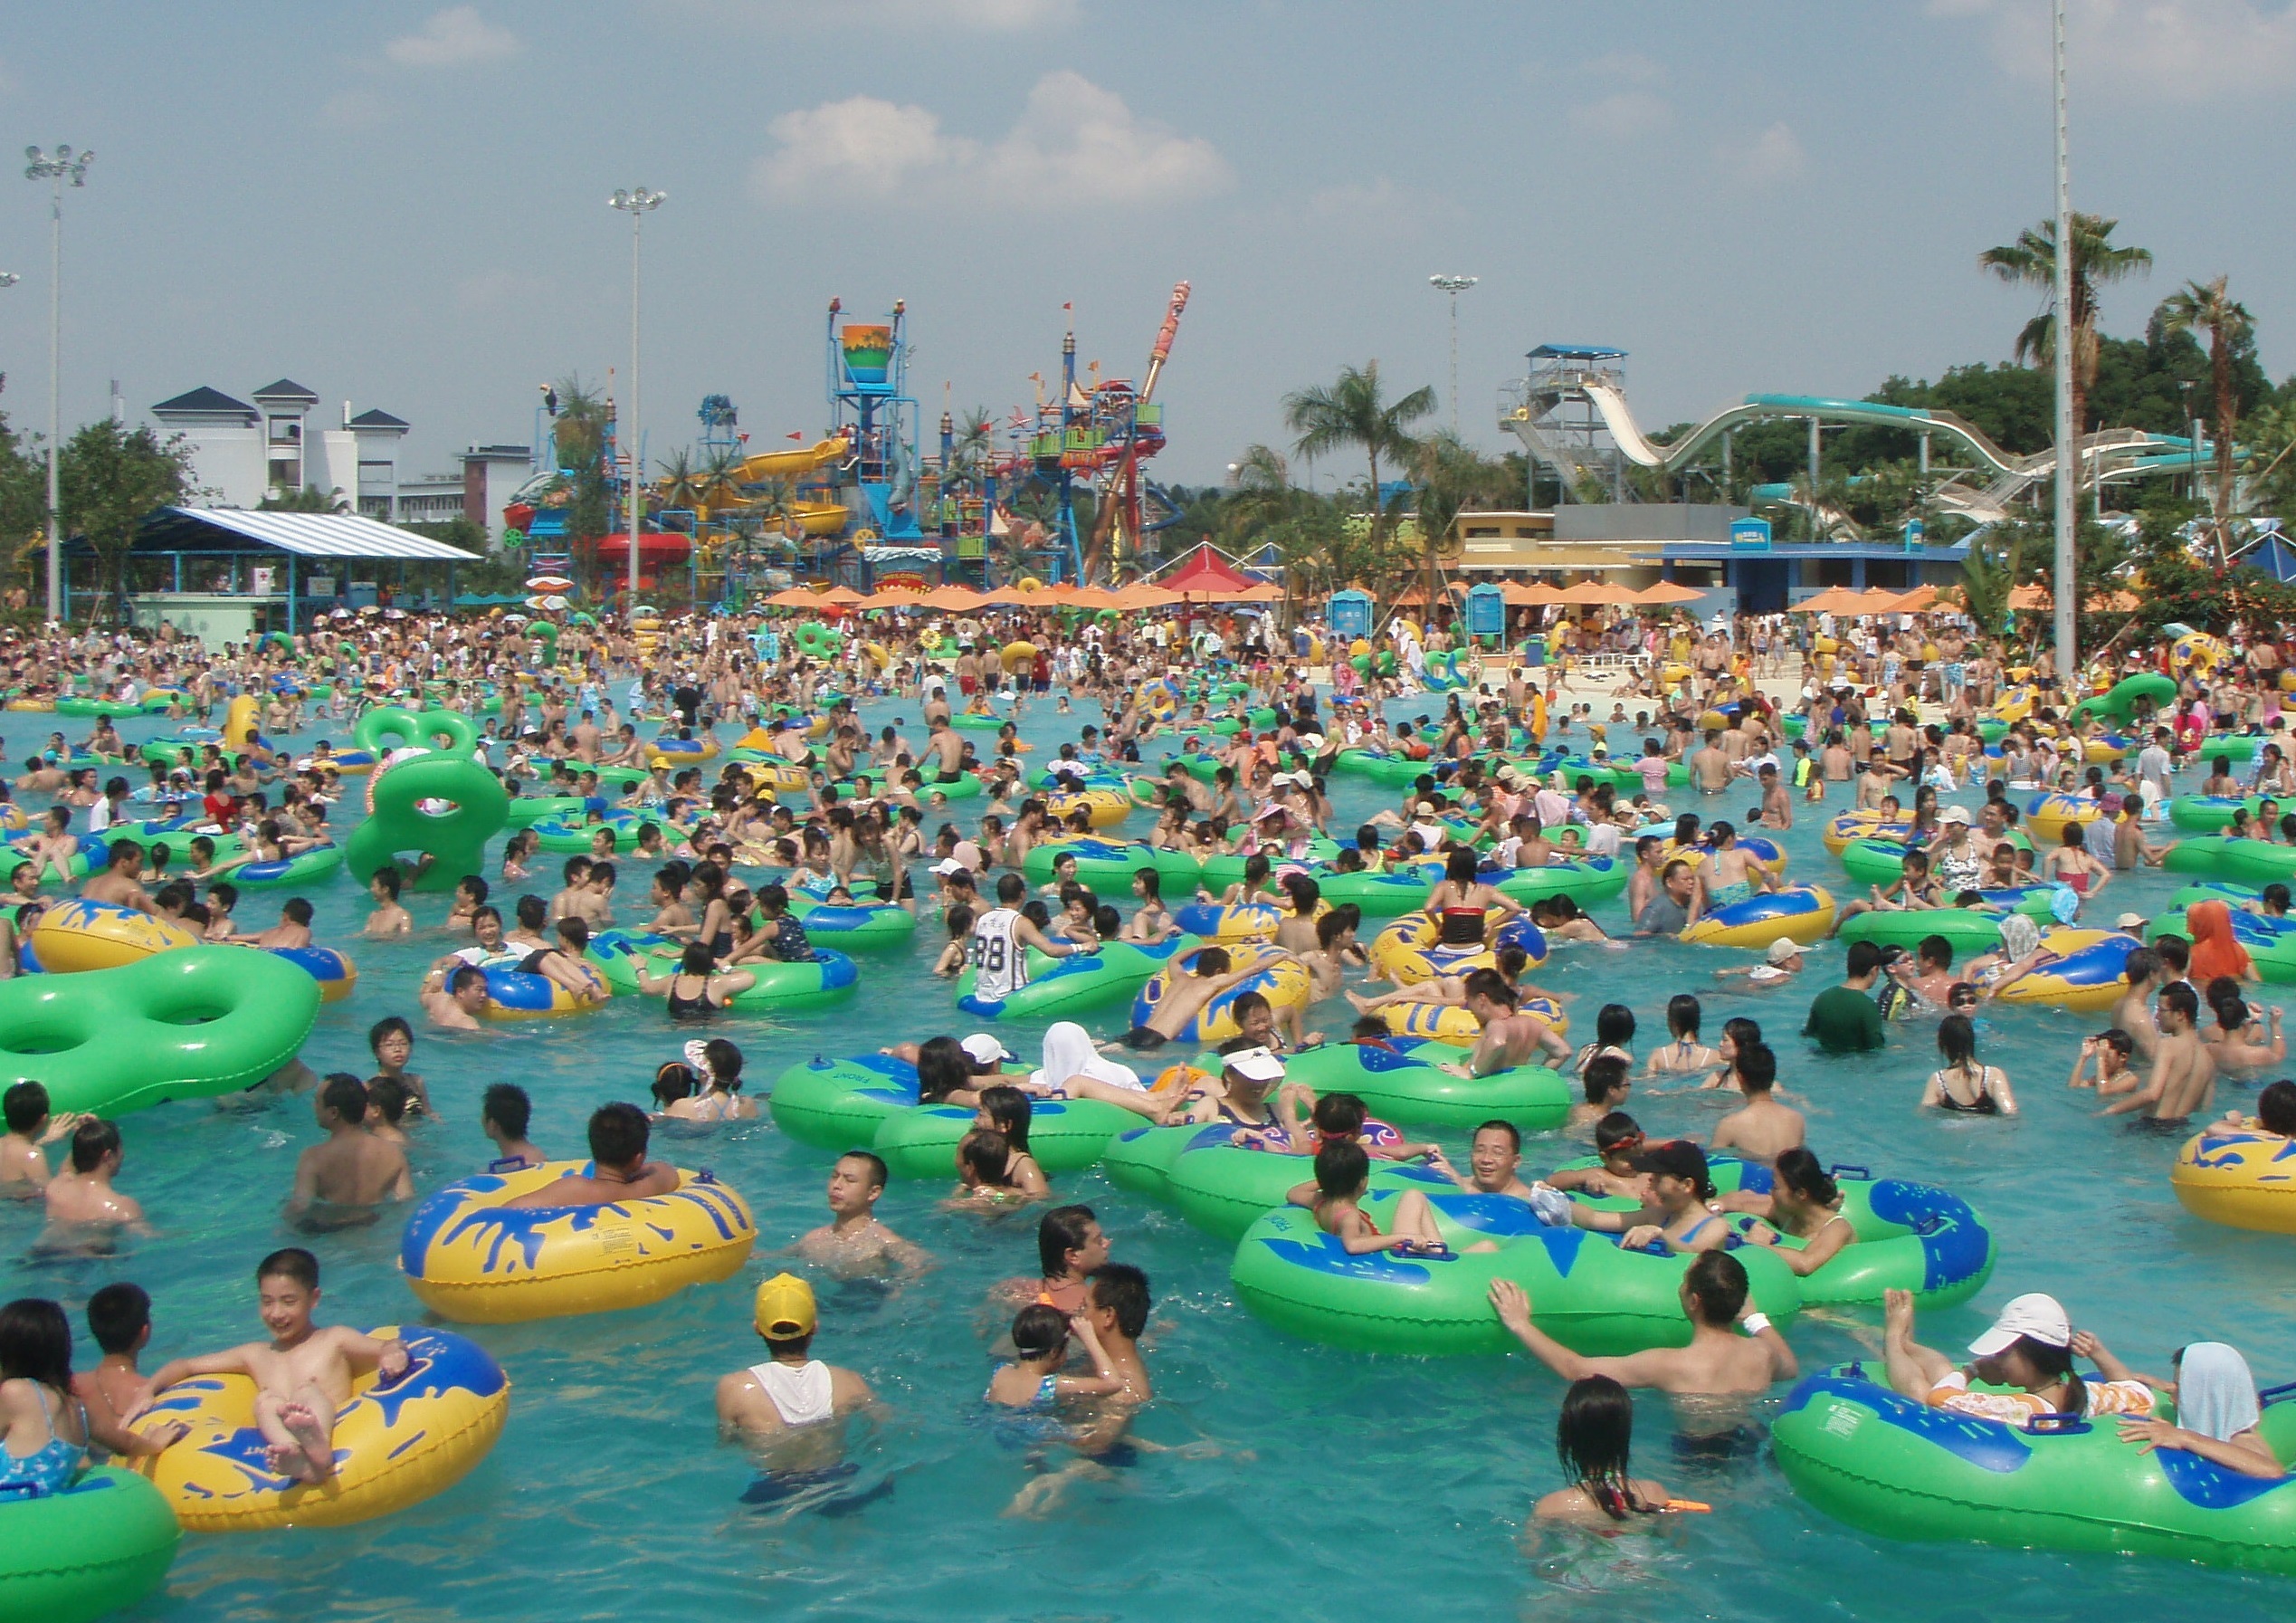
{"type": "Point", "coordinates": [1486, 612]}
{"type": "Point", "coordinates": [1350, 615]}
{"type": "Point", "coordinates": [1749, 535]}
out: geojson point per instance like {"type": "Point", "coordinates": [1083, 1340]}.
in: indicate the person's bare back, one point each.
{"type": "Point", "coordinates": [1762, 1130]}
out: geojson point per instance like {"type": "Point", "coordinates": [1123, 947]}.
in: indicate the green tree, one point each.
{"type": "Point", "coordinates": [2031, 261]}
{"type": "Point", "coordinates": [2209, 304]}
{"type": "Point", "coordinates": [680, 484]}
{"type": "Point", "coordinates": [111, 477]}
{"type": "Point", "coordinates": [578, 434]}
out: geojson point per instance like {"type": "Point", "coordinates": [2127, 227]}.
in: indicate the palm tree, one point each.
{"type": "Point", "coordinates": [1351, 412]}
{"type": "Point", "coordinates": [680, 481]}
{"type": "Point", "coordinates": [2230, 326]}
{"type": "Point", "coordinates": [2031, 261]}
{"type": "Point", "coordinates": [1264, 493]}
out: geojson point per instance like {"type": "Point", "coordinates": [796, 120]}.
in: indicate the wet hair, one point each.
{"type": "Point", "coordinates": [386, 1096]}
{"type": "Point", "coordinates": [1799, 1170]}
{"type": "Point", "coordinates": [872, 1163]}
{"type": "Point", "coordinates": [386, 878]}
{"type": "Point", "coordinates": [2175, 953]}
{"type": "Point", "coordinates": [1123, 1290]}
{"type": "Point", "coordinates": [1935, 949]}
{"type": "Point", "coordinates": [2053, 1364]}
{"type": "Point", "coordinates": [91, 1141]}
{"type": "Point", "coordinates": [1601, 1074]}
{"type": "Point", "coordinates": [345, 1096]}
{"type": "Point", "coordinates": [1039, 1331]}
{"type": "Point", "coordinates": [1209, 962]}
{"type": "Point", "coordinates": [25, 1106]}
{"type": "Point", "coordinates": [618, 1134]}
{"type": "Point", "coordinates": [1009, 1107]}
{"type": "Point", "coordinates": [724, 1060]}
{"type": "Point", "coordinates": [1340, 1168]}
{"type": "Point", "coordinates": [943, 1067]}
{"type": "Point", "coordinates": [1756, 1067]}
{"type": "Point", "coordinates": [672, 1081]}
{"type": "Point", "coordinates": [984, 1153]}
{"type": "Point", "coordinates": [506, 1105]}
{"type": "Point", "coordinates": [290, 1262]}
{"type": "Point", "coordinates": [1863, 959]}
{"type": "Point", "coordinates": [1340, 1114]}
{"type": "Point", "coordinates": [1058, 1232]}
{"type": "Point", "coordinates": [1684, 1015]}
{"type": "Point", "coordinates": [35, 1343]}
{"type": "Point", "coordinates": [2183, 1000]}
{"type": "Point", "coordinates": [2276, 1108]}
{"type": "Point", "coordinates": [389, 1025]}
{"type": "Point", "coordinates": [1717, 1283]}
{"type": "Point", "coordinates": [2141, 964]}
{"type": "Point", "coordinates": [1741, 1031]}
{"type": "Point", "coordinates": [118, 1315]}
{"type": "Point", "coordinates": [1591, 1441]}
{"type": "Point", "coordinates": [1615, 1025]}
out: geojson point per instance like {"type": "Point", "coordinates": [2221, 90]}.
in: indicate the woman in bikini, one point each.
{"type": "Point", "coordinates": [1681, 1191]}
{"type": "Point", "coordinates": [1461, 905]}
{"type": "Point", "coordinates": [1962, 1085]}
{"type": "Point", "coordinates": [1803, 1202]}
{"type": "Point", "coordinates": [1342, 1174]}
{"type": "Point", "coordinates": [695, 991]}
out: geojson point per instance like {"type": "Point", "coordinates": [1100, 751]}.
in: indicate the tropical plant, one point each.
{"type": "Point", "coordinates": [578, 434]}
{"type": "Point", "coordinates": [2031, 261]}
{"type": "Point", "coordinates": [681, 485]}
{"type": "Point", "coordinates": [1989, 573]}
{"type": "Point", "coordinates": [1352, 412]}
{"type": "Point", "coordinates": [2229, 327]}
{"type": "Point", "coordinates": [112, 478]}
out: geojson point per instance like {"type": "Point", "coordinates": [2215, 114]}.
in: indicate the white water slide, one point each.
{"type": "Point", "coordinates": [2114, 454]}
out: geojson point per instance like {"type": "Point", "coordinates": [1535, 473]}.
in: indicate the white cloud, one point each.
{"type": "Point", "coordinates": [1769, 158]}
{"type": "Point", "coordinates": [1625, 115]}
{"type": "Point", "coordinates": [2180, 50]}
{"type": "Point", "coordinates": [355, 110]}
{"type": "Point", "coordinates": [456, 37]}
{"type": "Point", "coordinates": [1073, 143]}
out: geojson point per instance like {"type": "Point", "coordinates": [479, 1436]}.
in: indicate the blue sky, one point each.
{"type": "Point", "coordinates": [405, 206]}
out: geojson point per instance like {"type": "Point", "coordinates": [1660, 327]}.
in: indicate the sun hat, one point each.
{"type": "Point", "coordinates": [2034, 1315]}
{"type": "Point", "coordinates": [983, 1049]}
{"type": "Point", "coordinates": [1784, 950]}
{"type": "Point", "coordinates": [1255, 1064]}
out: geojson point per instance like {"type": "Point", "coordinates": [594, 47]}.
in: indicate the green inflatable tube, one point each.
{"type": "Point", "coordinates": [2203, 855]}
{"type": "Point", "coordinates": [1139, 1160]}
{"type": "Point", "coordinates": [863, 927]}
{"type": "Point", "coordinates": [1061, 988]}
{"type": "Point", "coordinates": [1063, 1135]}
{"type": "Point", "coordinates": [1224, 1190]}
{"type": "Point", "coordinates": [2230, 747]}
{"type": "Point", "coordinates": [1221, 872]}
{"type": "Point", "coordinates": [1380, 896]}
{"type": "Point", "coordinates": [1404, 1082]}
{"type": "Point", "coordinates": [1897, 1467]}
{"type": "Point", "coordinates": [117, 709]}
{"type": "Point", "coordinates": [578, 833]}
{"type": "Point", "coordinates": [968, 722]}
{"type": "Point", "coordinates": [1204, 768]}
{"type": "Point", "coordinates": [527, 810]}
{"type": "Point", "coordinates": [1585, 1292]}
{"type": "Point", "coordinates": [1395, 771]}
{"type": "Point", "coordinates": [301, 868]}
{"type": "Point", "coordinates": [393, 727]}
{"type": "Point", "coordinates": [830, 978]}
{"type": "Point", "coordinates": [2271, 943]}
{"type": "Point", "coordinates": [187, 1024]}
{"type": "Point", "coordinates": [102, 1544]}
{"type": "Point", "coordinates": [2120, 700]}
{"type": "Point", "coordinates": [2253, 862]}
{"type": "Point", "coordinates": [454, 839]}
{"type": "Point", "coordinates": [1108, 866]}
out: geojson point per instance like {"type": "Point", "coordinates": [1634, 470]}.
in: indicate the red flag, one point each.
{"type": "Point", "coordinates": [793, 437]}
{"type": "Point", "coordinates": [1068, 307]}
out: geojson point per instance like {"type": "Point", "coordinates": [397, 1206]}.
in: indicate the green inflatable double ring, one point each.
{"type": "Point", "coordinates": [186, 1024]}
{"type": "Point", "coordinates": [2211, 814]}
{"type": "Point", "coordinates": [578, 833]}
{"type": "Point", "coordinates": [1585, 1291]}
{"type": "Point", "coordinates": [392, 727]}
{"type": "Point", "coordinates": [1404, 1082]}
{"type": "Point", "coordinates": [1895, 1466]}
{"type": "Point", "coordinates": [301, 868]}
{"type": "Point", "coordinates": [100, 1545]}
{"type": "Point", "coordinates": [1204, 768]}
{"type": "Point", "coordinates": [2253, 862]}
{"type": "Point", "coordinates": [456, 839]}
{"type": "Point", "coordinates": [1064, 1135]}
{"type": "Point", "coordinates": [115, 709]}
{"type": "Point", "coordinates": [840, 1104]}
{"type": "Point", "coordinates": [2231, 747]}
{"type": "Point", "coordinates": [966, 786]}
{"type": "Point", "coordinates": [861, 927]}
{"type": "Point", "coordinates": [2270, 943]}
{"type": "Point", "coordinates": [2205, 855]}
{"type": "Point", "coordinates": [1380, 896]}
{"type": "Point", "coordinates": [1221, 872]}
{"type": "Point", "coordinates": [1872, 861]}
{"type": "Point", "coordinates": [527, 810]}
{"type": "Point", "coordinates": [1223, 1187]}
{"type": "Point", "coordinates": [828, 980]}
{"type": "Point", "coordinates": [816, 641]}
{"type": "Point", "coordinates": [1394, 771]}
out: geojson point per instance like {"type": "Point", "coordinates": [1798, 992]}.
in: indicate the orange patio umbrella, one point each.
{"type": "Point", "coordinates": [1667, 591]}
{"type": "Point", "coordinates": [954, 597]}
{"type": "Point", "coordinates": [1092, 597]}
{"type": "Point", "coordinates": [796, 597]}
{"type": "Point", "coordinates": [1265, 592]}
{"type": "Point", "coordinates": [844, 596]}
{"type": "Point", "coordinates": [1591, 594]}
{"type": "Point", "coordinates": [1143, 594]}
{"type": "Point", "coordinates": [1532, 596]}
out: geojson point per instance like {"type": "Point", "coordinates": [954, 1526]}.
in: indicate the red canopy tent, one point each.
{"type": "Point", "coordinates": [654, 547]}
{"type": "Point", "coordinates": [1204, 573]}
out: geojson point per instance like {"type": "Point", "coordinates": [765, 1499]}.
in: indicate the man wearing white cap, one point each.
{"type": "Point", "coordinates": [1782, 961]}
{"type": "Point", "coordinates": [2030, 1349]}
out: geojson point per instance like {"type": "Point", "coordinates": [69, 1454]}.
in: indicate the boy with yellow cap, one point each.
{"type": "Point", "coordinates": [783, 1408]}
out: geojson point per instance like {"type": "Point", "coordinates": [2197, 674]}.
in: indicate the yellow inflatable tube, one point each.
{"type": "Point", "coordinates": [396, 1444]}
{"type": "Point", "coordinates": [239, 722]}
{"type": "Point", "coordinates": [2244, 1179]}
{"type": "Point", "coordinates": [469, 1259]}
{"type": "Point", "coordinates": [80, 935]}
{"type": "Point", "coordinates": [2089, 970]}
{"type": "Point", "coordinates": [1803, 913]}
{"type": "Point", "coordinates": [2046, 819]}
{"type": "Point", "coordinates": [1449, 1023]}
{"type": "Point", "coordinates": [1842, 832]}
{"type": "Point", "coordinates": [1106, 807]}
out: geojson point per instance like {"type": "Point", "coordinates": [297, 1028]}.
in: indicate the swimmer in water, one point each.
{"type": "Point", "coordinates": [853, 1241]}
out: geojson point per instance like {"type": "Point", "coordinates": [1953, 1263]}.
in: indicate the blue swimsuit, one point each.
{"type": "Point", "coordinates": [47, 1469]}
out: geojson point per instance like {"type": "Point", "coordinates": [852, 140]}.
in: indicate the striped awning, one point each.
{"type": "Point", "coordinates": [308, 535]}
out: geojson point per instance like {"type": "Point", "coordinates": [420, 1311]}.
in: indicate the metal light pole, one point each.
{"type": "Point", "coordinates": [2068, 654]}
{"type": "Point", "coordinates": [1455, 286]}
{"type": "Point", "coordinates": [64, 166]}
{"type": "Point", "coordinates": [637, 204]}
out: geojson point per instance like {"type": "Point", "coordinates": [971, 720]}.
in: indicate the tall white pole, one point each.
{"type": "Point", "coordinates": [2067, 567]}
{"type": "Point", "coordinates": [55, 407]}
{"type": "Point", "coordinates": [637, 203]}
{"type": "Point", "coordinates": [1453, 285]}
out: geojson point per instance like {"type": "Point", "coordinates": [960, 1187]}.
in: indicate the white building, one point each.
{"type": "Point", "coordinates": [243, 455]}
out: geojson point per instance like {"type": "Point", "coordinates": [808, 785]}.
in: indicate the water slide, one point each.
{"type": "Point", "coordinates": [2112, 453]}
{"type": "Point", "coordinates": [792, 464]}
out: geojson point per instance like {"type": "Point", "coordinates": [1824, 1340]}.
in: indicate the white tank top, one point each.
{"type": "Point", "coordinates": [802, 1394]}
{"type": "Point", "coordinates": [998, 956]}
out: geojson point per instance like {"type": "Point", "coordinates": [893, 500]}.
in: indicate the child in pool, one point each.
{"type": "Point", "coordinates": [1618, 1139]}
{"type": "Point", "coordinates": [386, 1099]}
{"type": "Point", "coordinates": [1606, 1086]}
{"type": "Point", "coordinates": [956, 955]}
{"type": "Point", "coordinates": [392, 1041]}
{"type": "Point", "coordinates": [303, 1374]}
{"type": "Point", "coordinates": [389, 919]}
{"type": "Point", "coordinates": [2111, 1050]}
{"type": "Point", "coordinates": [1342, 1174]}
{"type": "Point", "coordinates": [1033, 1382]}
{"type": "Point", "coordinates": [984, 1175]}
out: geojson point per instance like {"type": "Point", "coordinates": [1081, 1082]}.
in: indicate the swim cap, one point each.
{"type": "Point", "coordinates": [786, 1308]}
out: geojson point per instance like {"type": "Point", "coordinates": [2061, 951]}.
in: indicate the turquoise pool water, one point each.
{"type": "Point", "coordinates": [1315, 1482]}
